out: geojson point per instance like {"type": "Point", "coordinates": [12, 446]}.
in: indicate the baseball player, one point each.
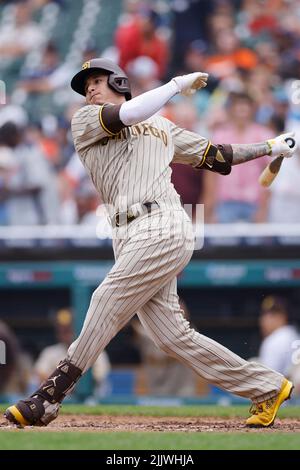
{"type": "Point", "coordinates": [127, 148]}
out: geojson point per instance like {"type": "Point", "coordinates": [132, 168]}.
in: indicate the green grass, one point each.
{"type": "Point", "coordinates": [33, 440]}
{"type": "Point", "coordinates": [188, 411]}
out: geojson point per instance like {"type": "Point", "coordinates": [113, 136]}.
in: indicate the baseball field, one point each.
{"type": "Point", "coordinates": [169, 428]}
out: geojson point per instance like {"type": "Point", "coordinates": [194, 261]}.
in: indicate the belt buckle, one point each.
{"type": "Point", "coordinates": [116, 219]}
{"type": "Point", "coordinates": [125, 217]}
{"type": "Point", "coordinates": [131, 216]}
{"type": "Point", "coordinates": [150, 206]}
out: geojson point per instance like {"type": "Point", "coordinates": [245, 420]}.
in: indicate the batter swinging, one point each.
{"type": "Point", "coordinates": [127, 148]}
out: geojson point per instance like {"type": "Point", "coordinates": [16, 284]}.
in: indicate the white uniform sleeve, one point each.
{"type": "Point", "coordinates": [189, 147]}
{"type": "Point", "coordinates": [146, 105]}
{"type": "Point", "coordinates": [88, 127]}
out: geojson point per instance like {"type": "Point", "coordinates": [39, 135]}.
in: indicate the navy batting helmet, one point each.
{"type": "Point", "coordinates": [117, 78]}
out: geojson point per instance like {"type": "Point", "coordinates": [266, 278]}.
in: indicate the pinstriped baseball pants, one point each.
{"type": "Point", "coordinates": [143, 280]}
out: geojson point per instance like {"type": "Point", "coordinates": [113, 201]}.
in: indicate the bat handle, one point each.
{"type": "Point", "coordinates": [291, 142]}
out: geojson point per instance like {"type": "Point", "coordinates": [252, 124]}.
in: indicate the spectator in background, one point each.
{"type": "Point", "coordinates": [31, 193]}
{"type": "Point", "coordinates": [195, 60]}
{"type": "Point", "coordinates": [231, 35]}
{"type": "Point", "coordinates": [229, 55]}
{"type": "Point", "coordinates": [53, 354]}
{"type": "Point", "coordinates": [61, 75]}
{"type": "Point", "coordinates": [53, 136]}
{"type": "Point", "coordinates": [284, 207]}
{"type": "Point", "coordinates": [10, 351]}
{"type": "Point", "coordinates": [239, 197]}
{"type": "Point", "coordinates": [143, 73]}
{"type": "Point", "coordinates": [285, 190]}
{"type": "Point", "coordinates": [35, 80]}
{"type": "Point", "coordinates": [7, 166]}
{"type": "Point", "coordinates": [51, 81]}
{"type": "Point", "coordinates": [277, 347]}
{"type": "Point", "coordinates": [259, 17]}
{"type": "Point", "coordinates": [14, 373]}
{"type": "Point", "coordinates": [189, 22]}
{"type": "Point", "coordinates": [24, 35]}
{"type": "Point", "coordinates": [139, 37]}
{"type": "Point", "coordinates": [258, 84]}
{"type": "Point", "coordinates": [71, 179]}
{"type": "Point", "coordinates": [48, 143]}
{"type": "Point", "coordinates": [36, 4]}
{"type": "Point", "coordinates": [81, 204]}
{"type": "Point", "coordinates": [87, 201]}
{"type": "Point", "coordinates": [221, 18]}
{"type": "Point", "coordinates": [195, 56]}
{"type": "Point", "coordinates": [187, 181]}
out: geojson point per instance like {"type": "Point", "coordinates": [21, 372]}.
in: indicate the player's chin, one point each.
{"type": "Point", "coordinates": [95, 101]}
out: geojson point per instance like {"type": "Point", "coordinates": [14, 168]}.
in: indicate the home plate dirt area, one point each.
{"type": "Point", "coordinates": [158, 424]}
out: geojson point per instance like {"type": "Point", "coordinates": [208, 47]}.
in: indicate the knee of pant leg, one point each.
{"type": "Point", "coordinates": [98, 294]}
{"type": "Point", "coordinates": [166, 344]}
{"type": "Point", "coordinates": [102, 298]}
{"type": "Point", "coordinates": [176, 340]}
{"type": "Point", "coordinates": [107, 294]}
{"type": "Point", "coordinates": [107, 304]}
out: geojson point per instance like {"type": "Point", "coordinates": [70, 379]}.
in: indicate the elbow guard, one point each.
{"type": "Point", "coordinates": [217, 158]}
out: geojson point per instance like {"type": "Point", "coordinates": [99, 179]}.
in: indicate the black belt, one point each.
{"type": "Point", "coordinates": [122, 218]}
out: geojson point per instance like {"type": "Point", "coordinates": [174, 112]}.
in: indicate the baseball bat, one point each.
{"type": "Point", "coordinates": [271, 171]}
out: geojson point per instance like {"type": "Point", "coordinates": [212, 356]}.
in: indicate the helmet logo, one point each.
{"type": "Point", "coordinates": [86, 65]}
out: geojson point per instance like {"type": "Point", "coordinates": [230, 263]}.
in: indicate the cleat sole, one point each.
{"type": "Point", "coordinates": [13, 415]}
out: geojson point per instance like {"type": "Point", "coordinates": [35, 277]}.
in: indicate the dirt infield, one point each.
{"type": "Point", "coordinates": [158, 424]}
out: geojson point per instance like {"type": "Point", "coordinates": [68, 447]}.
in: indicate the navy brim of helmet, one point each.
{"type": "Point", "coordinates": [78, 82]}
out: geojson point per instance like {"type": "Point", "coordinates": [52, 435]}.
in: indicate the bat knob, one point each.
{"type": "Point", "coordinates": [291, 142]}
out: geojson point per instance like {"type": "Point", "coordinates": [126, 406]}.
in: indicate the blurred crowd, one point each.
{"type": "Point", "coordinates": [250, 48]}
{"type": "Point", "coordinates": [21, 373]}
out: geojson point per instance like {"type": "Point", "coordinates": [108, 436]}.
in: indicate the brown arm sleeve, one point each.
{"type": "Point", "coordinates": [110, 119]}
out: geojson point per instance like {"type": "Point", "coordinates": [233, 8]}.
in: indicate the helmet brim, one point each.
{"type": "Point", "coordinates": [79, 80]}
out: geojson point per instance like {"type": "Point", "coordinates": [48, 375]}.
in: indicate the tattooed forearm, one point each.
{"type": "Point", "coordinates": [246, 152]}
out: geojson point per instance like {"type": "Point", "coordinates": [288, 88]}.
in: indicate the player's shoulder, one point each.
{"type": "Point", "coordinates": [88, 112]}
{"type": "Point", "coordinates": [85, 111]}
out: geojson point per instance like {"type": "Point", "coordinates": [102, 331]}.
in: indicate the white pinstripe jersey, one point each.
{"type": "Point", "coordinates": [133, 166]}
